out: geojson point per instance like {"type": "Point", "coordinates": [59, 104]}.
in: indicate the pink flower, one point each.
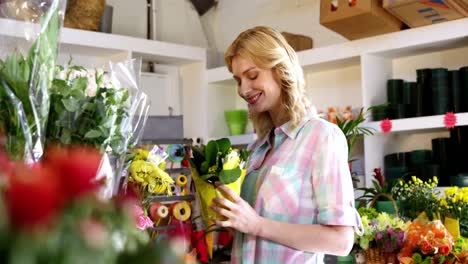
{"type": "Point", "coordinates": [94, 232]}
{"type": "Point", "coordinates": [379, 236]}
{"type": "Point", "coordinates": [137, 210]}
{"type": "Point", "coordinates": [391, 232]}
{"type": "Point", "coordinates": [143, 222]}
{"type": "Point", "coordinates": [401, 234]}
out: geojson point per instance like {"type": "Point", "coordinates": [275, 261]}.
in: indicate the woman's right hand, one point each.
{"type": "Point", "coordinates": [240, 215]}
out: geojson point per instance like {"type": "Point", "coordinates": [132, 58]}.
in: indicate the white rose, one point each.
{"type": "Point", "coordinates": [62, 75]}
{"type": "Point", "coordinates": [91, 74]}
{"type": "Point", "coordinates": [76, 74]}
{"type": "Point", "coordinates": [107, 81]}
{"type": "Point", "coordinates": [91, 88]}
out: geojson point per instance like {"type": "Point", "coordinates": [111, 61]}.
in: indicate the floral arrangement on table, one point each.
{"type": "Point", "coordinates": [427, 243]}
{"type": "Point", "coordinates": [416, 197]}
{"type": "Point", "coordinates": [381, 230]}
{"type": "Point", "coordinates": [50, 213]}
{"type": "Point", "coordinates": [454, 209]}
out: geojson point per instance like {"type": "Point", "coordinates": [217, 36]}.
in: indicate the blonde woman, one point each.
{"type": "Point", "coordinates": [297, 201]}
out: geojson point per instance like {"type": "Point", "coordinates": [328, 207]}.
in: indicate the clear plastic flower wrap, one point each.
{"type": "Point", "coordinates": [28, 56]}
{"type": "Point", "coordinates": [103, 109]}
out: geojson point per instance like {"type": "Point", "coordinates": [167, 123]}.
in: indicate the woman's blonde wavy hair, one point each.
{"type": "Point", "coordinates": [268, 49]}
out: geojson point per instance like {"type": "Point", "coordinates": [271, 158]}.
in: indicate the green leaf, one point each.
{"type": "Point", "coordinates": [60, 87]}
{"type": "Point", "coordinates": [66, 137]}
{"type": "Point", "coordinates": [207, 176]}
{"type": "Point", "coordinates": [417, 257]}
{"type": "Point", "coordinates": [229, 176]}
{"type": "Point", "coordinates": [71, 104]}
{"type": "Point", "coordinates": [224, 144]}
{"type": "Point", "coordinates": [80, 83]}
{"type": "Point", "coordinates": [78, 94]}
{"type": "Point", "coordinates": [204, 167]}
{"type": "Point", "coordinates": [93, 134]}
{"type": "Point", "coordinates": [211, 152]}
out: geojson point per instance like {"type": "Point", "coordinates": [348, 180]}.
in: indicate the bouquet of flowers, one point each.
{"type": "Point", "coordinates": [381, 230]}
{"type": "Point", "coordinates": [50, 213]}
{"type": "Point", "coordinates": [416, 197]}
{"type": "Point", "coordinates": [100, 109]}
{"type": "Point", "coordinates": [146, 172]}
{"type": "Point", "coordinates": [454, 208]}
{"type": "Point", "coordinates": [427, 242]}
{"type": "Point", "coordinates": [25, 79]}
{"type": "Point", "coordinates": [216, 161]}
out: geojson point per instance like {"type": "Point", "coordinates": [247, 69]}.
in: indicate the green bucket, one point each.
{"type": "Point", "coordinates": [386, 206]}
{"type": "Point", "coordinates": [236, 121]}
{"type": "Point", "coordinates": [345, 259]}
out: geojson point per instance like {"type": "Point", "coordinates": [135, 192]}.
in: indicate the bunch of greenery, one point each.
{"type": "Point", "coordinates": [24, 95]}
{"type": "Point", "coordinates": [217, 161]}
{"type": "Point", "coordinates": [417, 196]}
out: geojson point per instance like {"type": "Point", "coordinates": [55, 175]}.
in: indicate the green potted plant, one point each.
{"type": "Point", "coordinates": [352, 129]}
{"type": "Point", "coordinates": [380, 194]}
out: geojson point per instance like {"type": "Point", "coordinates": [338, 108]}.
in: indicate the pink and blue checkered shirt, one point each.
{"type": "Point", "coordinates": [306, 180]}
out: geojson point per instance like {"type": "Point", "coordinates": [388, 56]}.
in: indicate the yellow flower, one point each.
{"type": "Point", "coordinates": [140, 170]}
{"type": "Point", "coordinates": [451, 191]}
{"type": "Point", "coordinates": [443, 202]}
{"type": "Point", "coordinates": [232, 161]}
{"type": "Point", "coordinates": [212, 169]}
{"type": "Point", "coordinates": [141, 154]}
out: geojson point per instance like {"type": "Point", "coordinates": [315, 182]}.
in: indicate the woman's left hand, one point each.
{"type": "Point", "coordinates": [240, 215]}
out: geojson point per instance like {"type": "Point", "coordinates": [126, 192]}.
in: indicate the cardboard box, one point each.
{"type": "Point", "coordinates": [416, 13]}
{"type": "Point", "coordinates": [298, 42]}
{"type": "Point", "coordinates": [355, 19]}
{"type": "Point", "coordinates": [461, 6]}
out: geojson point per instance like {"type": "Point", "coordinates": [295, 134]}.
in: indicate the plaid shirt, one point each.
{"type": "Point", "coordinates": [306, 180]}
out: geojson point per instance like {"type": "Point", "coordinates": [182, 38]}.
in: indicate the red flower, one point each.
{"type": "Point", "coordinates": [78, 167]}
{"type": "Point", "coordinates": [426, 247]}
{"type": "Point", "coordinates": [33, 196]}
{"type": "Point", "coordinates": [444, 250]}
{"type": "Point", "coordinates": [378, 176]}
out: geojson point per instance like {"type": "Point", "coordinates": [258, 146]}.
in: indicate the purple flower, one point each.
{"type": "Point", "coordinates": [401, 234]}
{"type": "Point", "coordinates": [391, 232]}
{"type": "Point", "coordinates": [379, 236]}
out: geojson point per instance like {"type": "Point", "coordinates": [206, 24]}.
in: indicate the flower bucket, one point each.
{"type": "Point", "coordinates": [207, 191]}
{"type": "Point", "coordinates": [345, 259]}
{"type": "Point", "coordinates": [453, 226]}
{"type": "Point", "coordinates": [387, 206]}
{"type": "Point", "coordinates": [236, 121]}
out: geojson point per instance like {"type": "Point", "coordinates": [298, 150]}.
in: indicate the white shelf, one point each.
{"type": "Point", "coordinates": [418, 123]}
{"type": "Point", "coordinates": [220, 74]}
{"type": "Point", "coordinates": [442, 36]}
{"type": "Point", "coordinates": [239, 139]}
{"type": "Point", "coordinates": [95, 43]}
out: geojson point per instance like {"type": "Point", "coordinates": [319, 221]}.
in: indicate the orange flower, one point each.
{"type": "Point", "coordinates": [426, 247]}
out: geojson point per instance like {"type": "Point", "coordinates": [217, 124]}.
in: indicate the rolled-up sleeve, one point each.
{"type": "Point", "coordinates": [331, 181]}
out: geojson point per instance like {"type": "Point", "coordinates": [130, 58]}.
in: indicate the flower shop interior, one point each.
{"type": "Point", "coordinates": [114, 115]}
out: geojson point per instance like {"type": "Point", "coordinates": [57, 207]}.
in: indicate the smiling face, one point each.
{"type": "Point", "coordinates": [258, 87]}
